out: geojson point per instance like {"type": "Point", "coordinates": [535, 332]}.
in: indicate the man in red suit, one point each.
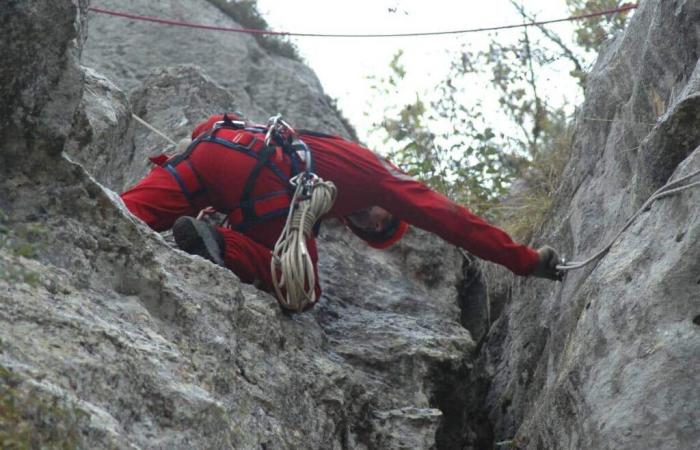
{"type": "Point", "coordinates": [229, 167]}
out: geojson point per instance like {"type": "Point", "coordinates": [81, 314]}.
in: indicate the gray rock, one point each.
{"type": "Point", "coordinates": [262, 84]}
{"type": "Point", "coordinates": [143, 346]}
{"type": "Point", "coordinates": [608, 358]}
{"type": "Point", "coordinates": [38, 101]}
{"type": "Point", "coordinates": [101, 140]}
{"type": "Point", "coordinates": [112, 339]}
{"type": "Point", "coordinates": [397, 428]}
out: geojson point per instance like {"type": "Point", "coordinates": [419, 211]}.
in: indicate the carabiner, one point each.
{"type": "Point", "coordinates": [308, 178]}
{"type": "Point", "coordinates": [271, 127]}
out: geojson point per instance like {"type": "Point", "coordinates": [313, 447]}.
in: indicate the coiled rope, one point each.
{"type": "Point", "coordinates": [291, 266]}
{"type": "Point", "coordinates": [670, 188]}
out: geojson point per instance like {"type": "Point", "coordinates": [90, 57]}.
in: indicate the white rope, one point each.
{"type": "Point", "coordinates": [291, 266]}
{"type": "Point", "coordinates": [153, 129]}
{"type": "Point", "coordinates": [671, 188]}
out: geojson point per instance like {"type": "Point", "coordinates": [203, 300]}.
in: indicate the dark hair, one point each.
{"type": "Point", "coordinates": [376, 236]}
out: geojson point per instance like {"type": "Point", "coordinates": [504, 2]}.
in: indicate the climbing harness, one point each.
{"type": "Point", "coordinates": [670, 188]}
{"type": "Point", "coordinates": [293, 272]}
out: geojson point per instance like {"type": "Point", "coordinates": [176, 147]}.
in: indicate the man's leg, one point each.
{"type": "Point", "coordinates": [158, 200]}
{"type": "Point", "coordinates": [251, 260]}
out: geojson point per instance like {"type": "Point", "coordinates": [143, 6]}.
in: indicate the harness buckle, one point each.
{"type": "Point", "coordinates": [308, 181]}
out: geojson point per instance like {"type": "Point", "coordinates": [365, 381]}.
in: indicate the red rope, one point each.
{"type": "Point", "coordinates": [624, 8]}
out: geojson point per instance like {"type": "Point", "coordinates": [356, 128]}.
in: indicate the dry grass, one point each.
{"type": "Point", "coordinates": [523, 211]}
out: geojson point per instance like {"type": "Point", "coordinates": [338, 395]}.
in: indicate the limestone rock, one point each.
{"type": "Point", "coordinates": [101, 140]}
{"type": "Point", "coordinates": [113, 339]}
{"type": "Point", "coordinates": [262, 84]}
{"type": "Point", "coordinates": [143, 346]}
{"type": "Point", "coordinates": [608, 358]}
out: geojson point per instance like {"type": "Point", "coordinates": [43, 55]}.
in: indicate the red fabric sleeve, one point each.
{"type": "Point", "coordinates": [420, 206]}
{"type": "Point", "coordinates": [158, 200]}
{"type": "Point", "coordinates": [362, 176]}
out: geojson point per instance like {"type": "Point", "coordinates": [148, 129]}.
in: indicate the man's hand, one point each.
{"type": "Point", "coordinates": [547, 265]}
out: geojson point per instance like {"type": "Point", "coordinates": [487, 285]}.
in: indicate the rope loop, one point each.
{"type": "Point", "coordinates": [293, 274]}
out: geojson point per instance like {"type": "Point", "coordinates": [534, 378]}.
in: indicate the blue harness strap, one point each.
{"type": "Point", "coordinates": [185, 178]}
{"type": "Point", "coordinates": [246, 225]}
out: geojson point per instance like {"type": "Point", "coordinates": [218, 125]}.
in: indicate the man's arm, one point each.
{"type": "Point", "coordinates": [364, 179]}
{"type": "Point", "coordinates": [420, 206]}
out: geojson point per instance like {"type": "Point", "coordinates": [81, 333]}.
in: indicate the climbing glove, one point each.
{"type": "Point", "coordinates": [547, 265]}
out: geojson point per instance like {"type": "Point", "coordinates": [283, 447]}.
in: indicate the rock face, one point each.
{"type": "Point", "coordinates": [120, 341]}
{"type": "Point", "coordinates": [262, 84]}
{"type": "Point", "coordinates": [110, 338]}
{"type": "Point", "coordinates": [609, 358]}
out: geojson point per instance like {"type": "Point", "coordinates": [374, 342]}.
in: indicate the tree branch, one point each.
{"type": "Point", "coordinates": [551, 36]}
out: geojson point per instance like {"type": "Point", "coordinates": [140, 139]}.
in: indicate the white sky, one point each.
{"type": "Point", "coordinates": [343, 64]}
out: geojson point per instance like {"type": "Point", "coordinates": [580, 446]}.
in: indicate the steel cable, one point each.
{"type": "Point", "coordinates": [670, 188]}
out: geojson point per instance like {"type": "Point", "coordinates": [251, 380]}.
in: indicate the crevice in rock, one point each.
{"type": "Point", "coordinates": [675, 140]}
{"type": "Point", "coordinates": [473, 301]}
{"type": "Point", "coordinates": [461, 389]}
{"type": "Point", "coordinates": [460, 394]}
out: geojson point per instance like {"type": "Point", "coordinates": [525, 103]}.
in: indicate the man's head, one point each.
{"type": "Point", "coordinates": [373, 219]}
{"type": "Point", "coordinates": [377, 226]}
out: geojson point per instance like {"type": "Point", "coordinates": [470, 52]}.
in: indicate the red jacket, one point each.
{"type": "Point", "coordinates": [363, 179]}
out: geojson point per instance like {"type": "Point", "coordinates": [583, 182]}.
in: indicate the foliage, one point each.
{"type": "Point", "coordinates": [29, 420]}
{"type": "Point", "coordinates": [245, 12]}
{"type": "Point", "coordinates": [591, 33]}
{"type": "Point", "coordinates": [522, 210]}
{"type": "Point", "coordinates": [21, 241]}
{"type": "Point", "coordinates": [484, 148]}
{"type": "Point", "coordinates": [461, 161]}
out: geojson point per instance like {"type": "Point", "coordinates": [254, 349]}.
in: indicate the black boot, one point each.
{"type": "Point", "coordinates": [197, 237]}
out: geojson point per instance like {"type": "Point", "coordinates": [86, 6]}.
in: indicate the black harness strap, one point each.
{"type": "Point", "coordinates": [246, 204]}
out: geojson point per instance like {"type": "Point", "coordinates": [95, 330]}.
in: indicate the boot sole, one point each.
{"type": "Point", "coordinates": [197, 238]}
